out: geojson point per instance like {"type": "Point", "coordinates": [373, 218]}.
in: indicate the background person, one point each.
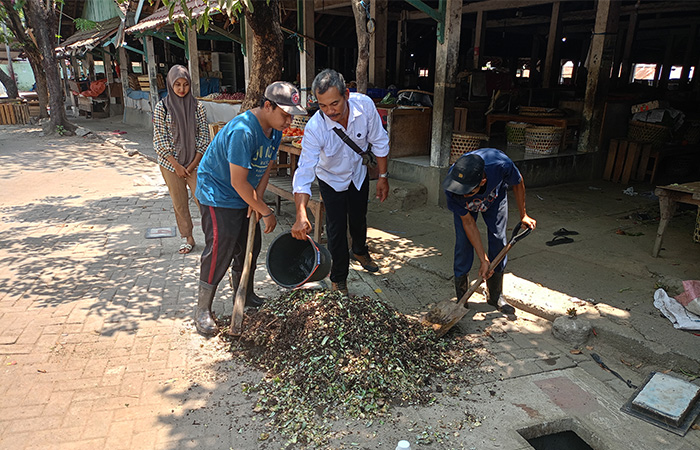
{"type": "Point", "coordinates": [342, 178]}
{"type": "Point", "coordinates": [180, 137]}
{"type": "Point", "coordinates": [477, 183]}
{"type": "Point", "coordinates": [231, 182]}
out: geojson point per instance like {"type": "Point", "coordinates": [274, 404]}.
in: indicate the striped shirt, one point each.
{"type": "Point", "coordinates": [163, 136]}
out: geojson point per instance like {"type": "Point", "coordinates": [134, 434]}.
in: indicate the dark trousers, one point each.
{"type": "Point", "coordinates": [225, 235]}
{"type": "Point", "coordinates": [343, 209]}
{"type": "Point", "coordinates": [496, 219]}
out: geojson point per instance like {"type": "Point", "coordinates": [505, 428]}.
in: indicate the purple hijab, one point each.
{"type": "Point", "coordinates": [183, 112]}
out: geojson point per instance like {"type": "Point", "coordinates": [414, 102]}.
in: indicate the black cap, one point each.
{"type": "Point", "coordinates": [466, 174]}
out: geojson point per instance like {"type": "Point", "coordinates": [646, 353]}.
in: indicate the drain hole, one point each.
{"type": "Point", "coordinates": [557, 441]}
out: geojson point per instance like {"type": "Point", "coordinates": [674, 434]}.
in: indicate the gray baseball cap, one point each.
{"type": "Point", "coordinates": [286, 96]}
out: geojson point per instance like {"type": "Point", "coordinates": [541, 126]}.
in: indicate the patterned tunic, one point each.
{"type": "Point", "coordinates": [163, 136]}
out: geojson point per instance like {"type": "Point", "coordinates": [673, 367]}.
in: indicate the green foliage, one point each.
{"type": "Point", "coordinates": [84, 24]}
{"type": "Point", "coordinates": [60, 130]}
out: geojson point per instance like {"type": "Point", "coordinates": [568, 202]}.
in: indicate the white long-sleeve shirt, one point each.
{"type": "Point", "coordinates": [326, 156]}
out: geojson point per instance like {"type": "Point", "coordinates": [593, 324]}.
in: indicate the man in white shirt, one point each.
{"type": "Point", "coordinates": [343, 179]}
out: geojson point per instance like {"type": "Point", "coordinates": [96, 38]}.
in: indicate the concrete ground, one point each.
{"type": "Point", "coordinates": [98, 349]}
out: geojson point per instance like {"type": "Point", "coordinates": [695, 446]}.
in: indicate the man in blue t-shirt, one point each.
{"type": "Point", "coordinates": [477, 183]}
{"type": "Point", "coordinates": [231, 181]}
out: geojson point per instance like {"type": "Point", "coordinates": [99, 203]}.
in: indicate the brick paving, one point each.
{"type": "Point", "coordinates": [97, 349]}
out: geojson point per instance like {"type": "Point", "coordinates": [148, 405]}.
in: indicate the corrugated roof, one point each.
{"type": "Point", "coordinates": [89, 39]}
{"type": "Point", "coordinates": [160, 17]}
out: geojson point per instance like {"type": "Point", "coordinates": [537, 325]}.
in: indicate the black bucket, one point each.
{"type": "Point", "coordinates": [292, 262]}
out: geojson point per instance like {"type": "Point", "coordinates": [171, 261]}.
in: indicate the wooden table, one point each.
{"type": "Point", "coordinates": [561, 122]}
{"type": "Point", "coordinates": [669, 196]}
{"type": "Point", "coordinates": [281, 186]}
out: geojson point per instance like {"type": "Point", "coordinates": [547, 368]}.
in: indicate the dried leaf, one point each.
{"type": "Point", "coordinates": [575, 351]}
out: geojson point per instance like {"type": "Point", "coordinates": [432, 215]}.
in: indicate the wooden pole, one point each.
{"type": "Point", "coordinates": [398, 76]}
{"type": "Point", "coordinates": [307, 58]}
{"type": "Point", "coordinates": [152, 72]}
{"type": "Point", "coordinates": [625, 75]}
{"type": "Point", "coordinates": [553, 39]}
{"type": "Point", "coordinates": [688, 57]}
{"type": "Point", "coordinates": [479, 38]}
{"type": "Point", "coordinates": [602, 49]}
{"type": "Point", "coordinates": [377, 43]}
{"type": "Point", "coordinates": [667, 63]}
{"type": "Point", "coordinates": [446, 59]}
{"type": "Point", "coordinates": [107, 60]}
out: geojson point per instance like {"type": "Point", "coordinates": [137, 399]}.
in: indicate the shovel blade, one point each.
{"type": "Point", "coordinates": [443, 316]}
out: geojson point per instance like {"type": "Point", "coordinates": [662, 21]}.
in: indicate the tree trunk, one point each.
{"type": "Point", "coordinates": [10, 85]}
{"type": "Point", "coordinates": [267, 50]}
{"type": "Point", "coordinates": [42, 89]}
{"type": "Point", "coordinates": [14, 22]}
{"type": "Point", "coordinates": [362, 67]}
{"type": "Point", "coordinates": [46, 40]}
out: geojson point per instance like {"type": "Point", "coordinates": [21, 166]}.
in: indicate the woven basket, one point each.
{"type": "Point", "coordinates": [465, 143]}
{"type": "Point", "coordinates": [300, 121]}
{"type": "Point", "coordinates": [657, 135]}
{"type": "Point", "coordinates": [543, 140]}
{"type": "Point", "coordinates": [536, 111]}
{"type": "Point", "coordinates": [692, 132]}
{"type": "Point", "coordinates": [515, 133]}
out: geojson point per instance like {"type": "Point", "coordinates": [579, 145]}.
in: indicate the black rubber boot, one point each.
{"type": "Point", "coordinates": [203, 320]}
{"type": "Point", "coordinates": [495, 289]}
{"type": "Point", "coordinates": [251, 300]}
{"type": "Point", "coordinates": [461, 286]}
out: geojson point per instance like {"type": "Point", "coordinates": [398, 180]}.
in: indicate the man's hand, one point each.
{"type": "Point", "coordinates": [180, 171]}
{"type": "Point", "coordinates": [484, 271]}
{"type": "Point", "coordinates": [301, 228]}
{"type": "Point", "coordinates": [270, 223]}
{"type": "Point", "coordinates": [382, 189]}
{"type": "Point", "coordinates": [529, 222]}
{"type": "Point", "coordinates": [192, 168]}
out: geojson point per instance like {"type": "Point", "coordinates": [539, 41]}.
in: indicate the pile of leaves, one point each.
{"type": "Point", "coordinates": [328, 356]}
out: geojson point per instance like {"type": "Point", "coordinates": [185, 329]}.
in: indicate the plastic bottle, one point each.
{"type": "Point", "coordinates": [403, 445]}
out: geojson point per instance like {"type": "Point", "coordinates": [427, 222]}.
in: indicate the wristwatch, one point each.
{"type": "Point", "coordinates": [384, 175]}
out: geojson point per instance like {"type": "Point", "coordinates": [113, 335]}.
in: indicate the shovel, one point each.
{"type": "Point", "coordinates": [447, 313]}
{"type": "Point", "coordinates": [242, 291]}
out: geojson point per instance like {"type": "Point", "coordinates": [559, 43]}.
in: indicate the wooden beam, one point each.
{"type": "Point", "coordinates": [627, 52]}
{"type": "Point", "coordinates": [124, 73]}
{"type": "Point", "coordinates": [377, 43]}
{"type": "Point", "coordinates": [551, 63]}
{"type": "Point", "coordinates": [152, 72]}
{"type": "Point", "coordinates": [193, 61]}
{"type": "Point", "coordinates": [107, 61]}
{"type": "Point", "coordinates": [446, 63]}
{"type": "Point", "coordinates": [91, 66]}
{"type": "Point", "coordinates": [689, 51]}
{"type": "Point", "coordinates": [602, 49]}
{"type": "Point", "coordinates": [307, 58]}
{"type": "Point", "coordinates": [666, 65]}
{"type": "Point", "coordinates": [479, 38]}
{"type": "Point", "coordinates": [399, 49]}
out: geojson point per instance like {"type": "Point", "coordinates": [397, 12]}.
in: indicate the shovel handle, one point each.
{"type": "Point", "coordinates": [518, 234]}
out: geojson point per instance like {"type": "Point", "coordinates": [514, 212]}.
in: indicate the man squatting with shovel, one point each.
{"type": "Point", "coordinates": [342, 178]}
{"type": "Point", "coordinates": [478, 182]}
{"type": "Point", "coordinates": [231, 181]}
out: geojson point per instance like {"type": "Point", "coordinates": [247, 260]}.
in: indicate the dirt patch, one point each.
{"type": "Point", "coordinates": [326, 356]}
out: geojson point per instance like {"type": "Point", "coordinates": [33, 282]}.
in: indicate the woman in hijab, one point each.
{"type": "Point", "coordinates": [180, 137]}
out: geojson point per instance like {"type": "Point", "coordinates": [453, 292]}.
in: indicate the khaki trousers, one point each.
{"type": "Point", "coordinates": [178, 193]}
